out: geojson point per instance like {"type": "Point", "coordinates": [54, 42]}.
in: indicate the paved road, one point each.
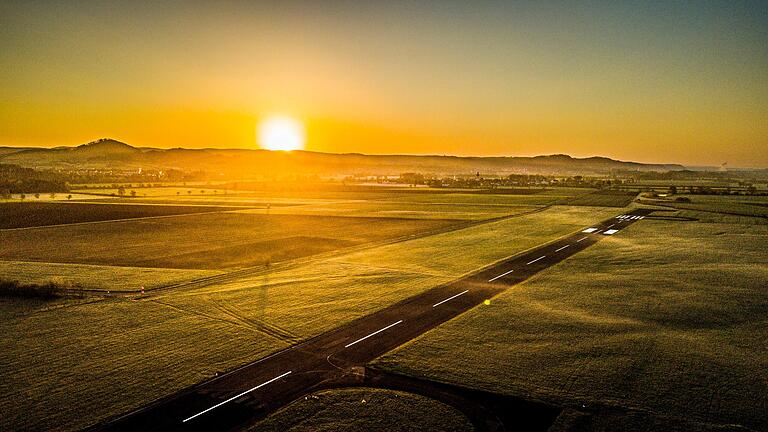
{"type": "Point", "coordinates": [235, 399]}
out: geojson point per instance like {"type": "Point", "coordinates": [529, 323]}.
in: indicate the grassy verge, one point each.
{"type": "Point", "coordinates": [362, 410]}
{"type": "Point", "coordinates": [665, 317]}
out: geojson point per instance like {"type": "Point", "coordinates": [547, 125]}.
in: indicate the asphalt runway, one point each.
{"type": "Point", "coordinates": [234, 400]}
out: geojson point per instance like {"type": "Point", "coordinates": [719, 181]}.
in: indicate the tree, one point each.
{"type": "Point", "coordinates": [37, 196]}
{"type": "Point", "coordinates": [189, 192]}
{"type": "Point", "coordinates": [22, 196]}
{"type": "Point", "coordinates": [69, 197]}
{"type": "Point", "coordinates": [53, 195]}
{"type": "Point", "coordinates": [121, 191]}
{"type": "Point", "coordinates": [133, 193]}
{"type": "Point", "coordinates": [673, 190]}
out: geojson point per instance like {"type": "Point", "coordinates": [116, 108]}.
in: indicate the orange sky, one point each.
{"type": "Point", "coordinates": [658, 82]}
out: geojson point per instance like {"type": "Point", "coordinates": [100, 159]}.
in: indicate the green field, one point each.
{"type": "Point", "coordinates": [363, 410]}
{"type": "Point", "coordinates": [84, 361]}
{"type": "Point", "coordinates": [667, 319]}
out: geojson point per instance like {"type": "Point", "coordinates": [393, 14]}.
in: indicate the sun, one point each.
{"type": "Point", "coordinates": [281, 133]}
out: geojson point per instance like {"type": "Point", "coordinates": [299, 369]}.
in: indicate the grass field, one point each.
{"type": "Point", "coordinates": [604, 198]}
{"type": "Point", "coordinates": [204, 241]}
{"type": "Point", "coordinates": [85, 361]}
{"type": "Point", "coordinates": [405, 210]}
{"type": "Point", "coordinates": [363, 410]}
{"type": "Point", "coordinates": [32, 214]}
{"type": "Point", "coordinates": [79, 363]}
{"type": "Point", "coordinates": [356, 193]}
{"type": "Point", "coordinates": [666, 318]}
{"type": "Point", "coordinates": [350, 285]}
{"type": "Point", "coordinates": [86, 276]}
{"type": "Point", "coordinates": [735, 205]}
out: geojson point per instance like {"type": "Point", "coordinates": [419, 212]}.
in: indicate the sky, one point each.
{"type": "Point", "coordinates": [664, 81]}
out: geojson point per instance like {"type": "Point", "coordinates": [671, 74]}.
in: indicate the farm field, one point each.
{"type": "Point", "coordinates": [531, 196]}
{"type": "Point", "coordinates": [415, 210]}
{"type": "Point", "coordinates": [114, 278]}
{"type": "Point", "coordinates": [539, 198]}
{"type": "Point", "coordinates": [750, 206]}
{"type": "Point", "coordinates": [667, 319]}
{"type": "Point", "coordinates": [203, 241]}
{"type": "Point", "coordinates": [363, 410]}
{"type": "Point", "coordinates": [79, 363]}
{"type": "Point", "coordinates": [107, 356]}
{"type": "Point", "coordinates": [341, 282]}
{"type": "Point", "coordinates": [604, 198]}
{"type": "Point", "coordinates": [221, 200]}
{"type": "Point", "coordinates": [746, 206]}
{"type": "Point", "coordinates": [33, 214]}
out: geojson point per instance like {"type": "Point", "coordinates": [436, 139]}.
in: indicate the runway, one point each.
{"type": "Point", "coordinates": [234, 400]}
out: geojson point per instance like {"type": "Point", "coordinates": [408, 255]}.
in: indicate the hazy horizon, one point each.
{"type": "Point", "coordinates": [649, 82]}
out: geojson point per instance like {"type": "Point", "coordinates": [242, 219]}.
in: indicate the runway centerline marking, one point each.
{"type": "Point", "coordinates": [372, 334]}
{"type": "Point", "coordinates": [541, 257]}
{"type": "Point", "coordinates": [503, 274]}
{"type": "Point", "coordinates": [610, 225]}
{"type": "Point", "coordinates": [566, 246]}
{"type": "Point", "coordinates": [235, 397]}
{"type": "Point", "coordinates": [453, 297]}
{"type": "Point", "coordinates": [583, 238]}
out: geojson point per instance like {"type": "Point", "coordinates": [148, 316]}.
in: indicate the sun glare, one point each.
{"type": "Point", "coordinates": [281, 133]}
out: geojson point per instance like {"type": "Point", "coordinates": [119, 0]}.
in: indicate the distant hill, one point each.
{"type": "Point", "coordinates": [112, 154]}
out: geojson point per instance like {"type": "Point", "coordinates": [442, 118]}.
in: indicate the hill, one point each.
{"type": "Point", "coordinates": [112, 154]}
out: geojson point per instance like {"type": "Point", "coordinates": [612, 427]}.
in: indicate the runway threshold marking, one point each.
{"type": "Point", "coordinates": [236, 397]}
{"type": "Point", "coordinates": [539, 258]}
{"type": "Point", "coordinates": [566, 246]}
{"type": "Point", "coordinates": [589, 230]}
{"type": "Point", "coordinates": [611, 232]}
{"type": "Point", "coordinates": [372, 334]}
{"type": "Point", "coordinates": [461, 293]}
{"type": "Point", "coordinates": [503, 274]}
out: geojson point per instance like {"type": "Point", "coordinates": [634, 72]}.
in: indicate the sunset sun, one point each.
{"type": "Point", "coordinates": [281, 133]}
